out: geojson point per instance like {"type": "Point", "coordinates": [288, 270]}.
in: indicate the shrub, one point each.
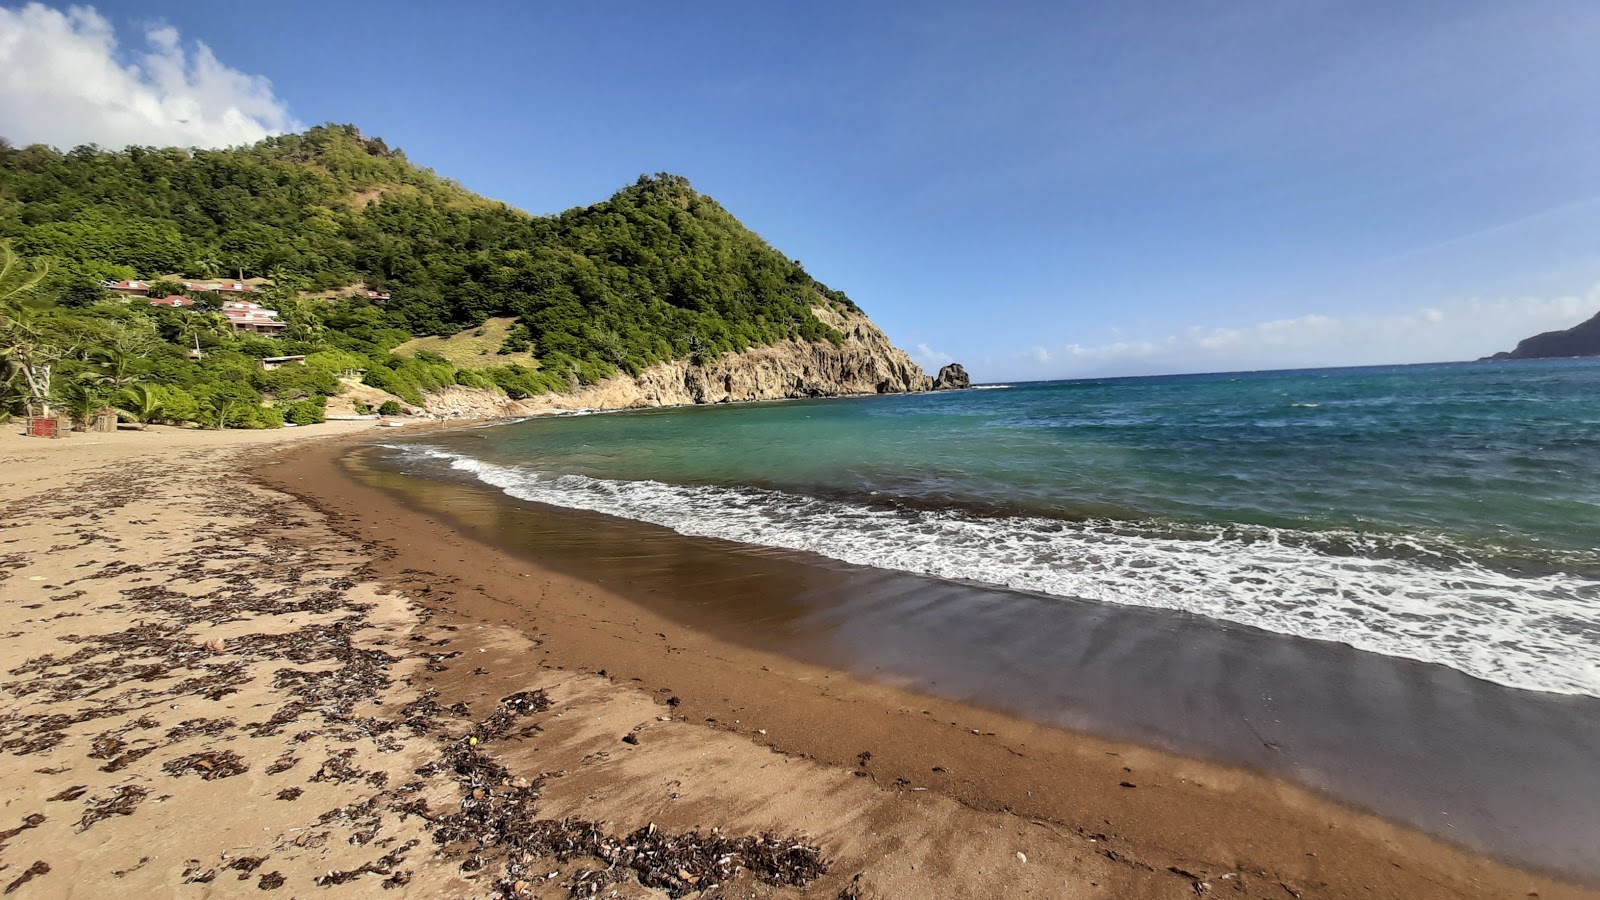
{"type": "Point", "coordinates": [233, 404]}
{"type": "Point", "coordinates": [297, 382]}
{"type": "Point", "coordinates": [472, 379]}
{"type": "Point", "coordinates": [337, 362]}
{"type": "Point", "coordinates": [304, 412]}
{"type": "Point", "coordinates": [178, 406]}
{"type": "Point", "coordinates": [387, 379]}
{"type": "Point", "coordinates": [391, 408]}
{"type": "Point", "coordinates": [520, 382]}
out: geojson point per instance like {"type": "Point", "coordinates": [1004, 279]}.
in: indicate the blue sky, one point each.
{"type": "Point", "coordinates": [1034, 189]}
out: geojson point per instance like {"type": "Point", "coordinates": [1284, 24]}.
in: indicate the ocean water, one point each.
{"type": "Point", "coordinates": [1444, 513]}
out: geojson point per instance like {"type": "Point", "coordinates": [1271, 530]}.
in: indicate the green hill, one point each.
{"type": "Point", "coordinates": [656, 272]}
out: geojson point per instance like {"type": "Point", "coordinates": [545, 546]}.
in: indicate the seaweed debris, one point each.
{"type": "Point", "coordinates": [122, 801]}
{"type": "Point", "coordinates": [498, 819]}
{"type": "Point", "coordinates": [210, 765]}
{"type": "Point", "coordinates": [40, 867]}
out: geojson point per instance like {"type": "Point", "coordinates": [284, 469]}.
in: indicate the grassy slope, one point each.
{"type": "Point", "coordinates": [471, 349]}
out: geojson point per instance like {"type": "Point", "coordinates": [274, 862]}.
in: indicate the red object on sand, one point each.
{"type": "Point", "coordinates": [44, 426]}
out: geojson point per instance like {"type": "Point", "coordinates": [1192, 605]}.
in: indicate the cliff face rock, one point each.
{"type": "Point", "coordinates": [952, 378]}
{"type": "Point", "coordinates": [865, 362]}
{"type": "Point", "coordinates": [1579, 340]}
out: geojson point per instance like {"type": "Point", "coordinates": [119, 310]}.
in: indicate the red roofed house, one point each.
{"type": "Point", "coordinates": [244, 315]}
{"type": "Point", "coordinates": [374, 295]}
{"type": "Point", "coordinates": [131, 288]}
{"type": "Point", "coordinates": [175, 300]}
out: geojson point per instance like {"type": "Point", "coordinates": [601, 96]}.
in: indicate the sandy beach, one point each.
{"type": "Point", "coordinates": [231, 668]}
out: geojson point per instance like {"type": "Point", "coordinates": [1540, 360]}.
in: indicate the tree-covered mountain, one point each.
{"type": "Point", "coordinates": [657, 272]}
{"type": "Point", "coordinates": [1580, 340]}
{"type": "Point", "coordinates": [650, 274]}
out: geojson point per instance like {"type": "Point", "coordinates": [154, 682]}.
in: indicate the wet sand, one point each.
{"type": "Point", "coordinates": [764, 645]}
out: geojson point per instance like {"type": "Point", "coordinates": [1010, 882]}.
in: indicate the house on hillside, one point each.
{"type": "Point", "coordinates": [219, 287]}
{"type": "Point", "coordinates": [176, 301]}
{"type": "Point", "coordinates": [128, 288]}
{"type": "Point", "coordinates": [374, 295]}
{"type": "Point", "coordinates": [275, 362]}
{"type": "Point", "coordinates": [248, 316]}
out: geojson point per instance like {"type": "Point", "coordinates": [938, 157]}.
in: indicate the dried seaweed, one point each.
{"type": "Point", "coordinates": [383, 865]}
{"type": "Point", "coordinates": [40, 867]}
{"type": "Point", "coordinates": [498, 818]}
{"type": "Point", "coordinates": [122, 801]}
{"type": "Point", "coordinates": [209, 765]}
{"type": "Point", "coordinates": [32, 820]}
{"type": "Point", "coordinates": [283, 764]}
{"type": "Point", "coordinates": [199, 728]}
{"type": "Point", "coordinates": [244, 865]}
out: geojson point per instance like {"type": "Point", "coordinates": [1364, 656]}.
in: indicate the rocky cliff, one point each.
{"type": "Point", "coordinates": [952, 378]}
{"type": "Point", "coordinates": [865, 362]}
{"type": "Point", "coordinates": [1579, 340]}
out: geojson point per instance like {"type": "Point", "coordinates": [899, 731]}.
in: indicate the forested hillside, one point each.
{"type": "Point", "coordinates": [655, 273]}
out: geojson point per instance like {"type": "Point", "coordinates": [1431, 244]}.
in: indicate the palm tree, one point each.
{"type": "Point", "coordinates": [82, 400]}
{"type": "Point", "coordinates": [117, 365]}
{"type": "Point", "coordinates": [17, 277]}
{"type": "Point", "coordinates": [122, 346]}
{"type": "Point", "coordinates": [197, 324]}
{"type": "Point", "coordinates": [141, 403]}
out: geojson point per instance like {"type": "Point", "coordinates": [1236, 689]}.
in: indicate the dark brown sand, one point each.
{"type": "Point", "coordinates": [863, 766]}
{"type": "Point", "coordinates": [1499, 770]}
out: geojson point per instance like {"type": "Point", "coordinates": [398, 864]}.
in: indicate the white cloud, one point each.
{"type": "Point", "coordinates": [1468, 329]}
{"type": "Point", "coordinates": [931, 359]}
{"type": "Point", "coordinates": [63, 82]}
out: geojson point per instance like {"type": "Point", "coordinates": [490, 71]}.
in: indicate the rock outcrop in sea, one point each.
{"type": "Point", "coordinates": [864, 362]}
{"type": "Point", "coordinates": [1579, 340]}
{"type": "Point", "coordinates": [952, 378]}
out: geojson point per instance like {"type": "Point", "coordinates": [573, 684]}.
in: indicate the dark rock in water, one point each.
{"type": "Point", "coordinates": [1579, 340]}
{"type": "Point", "coordinates": [952, 378]}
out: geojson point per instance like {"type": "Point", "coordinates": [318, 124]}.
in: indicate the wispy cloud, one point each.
{"type": "Point", "coordinates": [1464, 330]}
{"type": "Point", "coordinates": [931, 359]}
{"type": "Point", "coordinates": [64, 81]}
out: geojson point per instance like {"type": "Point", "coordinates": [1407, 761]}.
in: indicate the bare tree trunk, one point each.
{"type": "Point", "coordinates": [38, 379]}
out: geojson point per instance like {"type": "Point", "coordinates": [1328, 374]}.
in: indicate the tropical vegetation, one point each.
{"type": "Point", "coordinates": [360, 251]}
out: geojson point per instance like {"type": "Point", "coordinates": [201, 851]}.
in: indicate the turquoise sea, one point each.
{"type": "Point", "coordinates": [1443, 513]}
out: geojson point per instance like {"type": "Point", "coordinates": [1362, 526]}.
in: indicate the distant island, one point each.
{"type": "Point", "coordinates": [1579, 340]}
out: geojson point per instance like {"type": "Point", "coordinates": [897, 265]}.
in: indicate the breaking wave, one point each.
{"type": "Point", "coordinates": [1414, 597]}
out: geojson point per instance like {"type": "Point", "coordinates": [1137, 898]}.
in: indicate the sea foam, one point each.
{"type": "Point", "coordinates": [1418, 600]}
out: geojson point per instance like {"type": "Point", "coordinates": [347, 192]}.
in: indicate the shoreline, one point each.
{"type": "Point", "coordinates": [1485, 767]}
{"type": "Point", "coordinates": [1010, 767]}
{"type": "Point", "coordinates": [274, 682]}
